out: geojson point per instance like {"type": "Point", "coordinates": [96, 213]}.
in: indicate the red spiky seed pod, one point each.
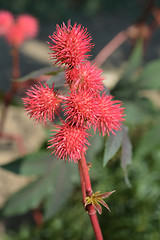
{"type": "Point", "coordinates": [80, 108]}
{"type": "Point", "coordinates": [110, 114]}
{"type": "Point", "coordinates": [86, 76]}
{"type": "Point", "coordinates": [70, 45]}
{"type": "Point", "coordinates": [42, 103]}
{"type": "Point", "coordinates": [69, 142]}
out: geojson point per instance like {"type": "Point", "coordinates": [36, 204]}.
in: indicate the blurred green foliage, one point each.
{"type": "Point", "coordinates": [134, 211]}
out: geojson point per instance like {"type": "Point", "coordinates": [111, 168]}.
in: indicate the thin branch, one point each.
{"type": "Point", "coordinates": [120, 38]}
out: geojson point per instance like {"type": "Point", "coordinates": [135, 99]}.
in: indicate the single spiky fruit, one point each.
{"type": "Point", "coordinates": [6, 21]}
{"type": "Point", "coordinates": [80, 108]}
{"type": "Point", "coordinates": [85, 76]}
{"type": "Point", "coordinates": [28, 24]}
{"type": "Point", "coordinates": [42, 103]}
{"type": "Point", "coordinates": [69, 142]}
{"type": "Point", "coordinates": [70, 44]}
{"type": "Point", "coordinates": [110, 114]}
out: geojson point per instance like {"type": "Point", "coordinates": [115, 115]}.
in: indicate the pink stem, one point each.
{"type": "Point", "coordinates": [83, 186]}
{"type": "Point", "coordinates": [120, 38]}
{"type": "Point", "coordinates": [86, 176]}
{"type": "Point", "coordinates": [10, 94]}
{"type": "Point", "coordinates": [95, 223]}
{"type": "Point", "coordinates": [87, 191]}
{"type": "Point", "coordinates": [15, 63]}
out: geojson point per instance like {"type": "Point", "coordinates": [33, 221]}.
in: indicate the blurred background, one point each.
{"type": "Point", "coordinates": [132, 75]}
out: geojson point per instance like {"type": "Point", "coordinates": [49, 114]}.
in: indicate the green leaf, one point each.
{"type": "Point", "coordinates": [14, 166]}
{"type": "Point", "coordinates": [135, 61]}
{"type": "Point", "coordinates": [37, 164]}
{"type": "Point", "coordinates": [58, 80]}
{"type": "Point", "coordinates": [112, 145]}
{"type": "Point", "coordinates": [32, 164]}
{"type": "Point", "coordinates": [53, 73]}
{"type": "Point", "coordinates": [150, 76]}
{"type": "Point", "coordinates": [96, 145]}
{"type": "Point", "coordinates": [43, 71]}
{"type": "Point", "coordinates": [63, 186]}
{"type": "Point", "coordinates": [30, 196]}
{"type": "Point", "coordinates": [148, 142]}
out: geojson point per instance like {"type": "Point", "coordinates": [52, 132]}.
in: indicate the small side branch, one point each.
{"type": "Point", "coordinates": [110, 48]}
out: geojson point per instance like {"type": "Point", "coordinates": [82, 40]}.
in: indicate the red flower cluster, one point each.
{"type": "Point", "coordinates": [16, 31]}
{"type": "Point", "coordinates": [84, 106]}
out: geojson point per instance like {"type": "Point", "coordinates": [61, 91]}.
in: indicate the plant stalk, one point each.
{"type": "Point", "coordinates": [110, 47]}
{"type": "Point", "coordinates": [7, 100]}
{"type": "Point", "coordinates": [87, 191]}
{"type": "Point", "coordinates": [10, 94]}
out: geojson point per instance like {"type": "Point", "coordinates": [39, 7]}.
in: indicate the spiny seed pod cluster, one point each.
{"type": "Point", "coordinates": [84, 106]}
